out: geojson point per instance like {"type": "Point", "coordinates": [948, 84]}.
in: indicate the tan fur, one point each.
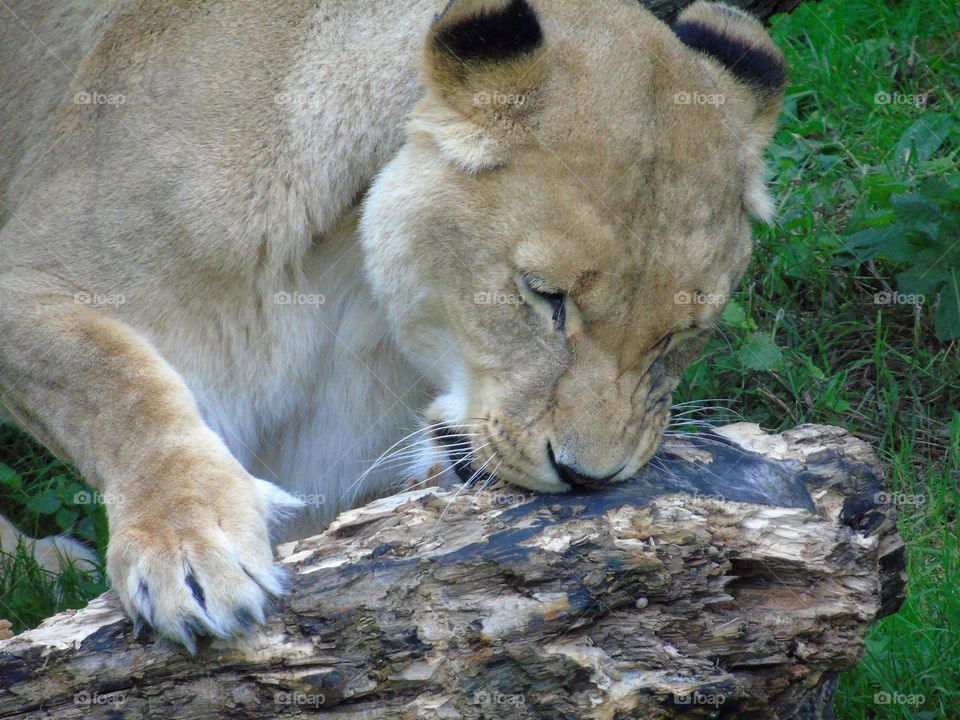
{"type": "Point", "coordinates": [148, 243]}
{"type": "Point", "coordinates": [605, 187]}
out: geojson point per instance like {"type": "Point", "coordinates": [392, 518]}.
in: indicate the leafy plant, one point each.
{"type": "Point", "coordinates": [43, 496]}
{"type": "Point", "coordinates": [920, 232]}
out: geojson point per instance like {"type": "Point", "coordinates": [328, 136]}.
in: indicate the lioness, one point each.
{"type": "Point", "coordinates": [248, 241]}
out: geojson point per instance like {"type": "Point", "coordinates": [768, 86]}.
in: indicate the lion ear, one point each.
{"type": "Point", "coordinates": [739, 45]}
{"type": "Point", "coordinates": [484, 69]}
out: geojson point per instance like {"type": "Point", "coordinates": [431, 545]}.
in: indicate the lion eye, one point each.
{"type": "Point", "coordinates": [534, 289]}
{"type": "Point", "coordinates": [558, 307]}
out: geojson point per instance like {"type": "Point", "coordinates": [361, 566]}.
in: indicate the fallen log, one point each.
{"type": "Point", "coordinates": [736, 575]}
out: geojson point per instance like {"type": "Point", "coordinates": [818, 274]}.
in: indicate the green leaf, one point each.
{"type": "Point", "coordinates": [760, 352]}
{"type": "Point", "coordinates": [86, 529]}
{"type": "Point", "coordinates": [914, 207]}
{"type": "Point", "coordinates": [72, 492]}
{"type": "Point", "coordinates": [9, 477]}
{"type": "Point", "coordinates": [887, 242]}
{"type": "Point", "coordinates": [918, 212]}
{"type": "Point", "coordinates": [66, 518]}
{"type": "Point", "coordinates": [946, 321]}
{"type": "Point", "coordinates": [815, 372]}
{"type": "Point", "coordinates": [939, 188]}
{"type": "Point", "coordinates": [921, 280]}
{"type": "Point", "coordinates": [734, 314]}
{"type": "Point", "coordinates": [923, 138]}
{"type": "Point", "coordinates": [792, 100]}
{"type": "Point", "coordinates": [836, 403]}
{"type": "Point", "coordinates": [46, 504]}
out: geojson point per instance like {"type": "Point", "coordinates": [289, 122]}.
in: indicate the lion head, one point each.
{"type": "Point", "coordinates": [560, 232]}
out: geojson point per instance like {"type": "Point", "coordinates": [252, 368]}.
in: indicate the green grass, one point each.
{"type": "Point", "coordinates": [803, 339]}
{"type": "Point", "coordinates": [43, 496]}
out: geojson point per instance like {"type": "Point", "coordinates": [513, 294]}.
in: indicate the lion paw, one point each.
{"type": "Point", "coordinates": [204, 565]}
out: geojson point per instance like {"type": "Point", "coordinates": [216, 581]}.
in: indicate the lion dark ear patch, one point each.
{"type": "Point", "coordinates": [491, 33]}
{"type": "Point", "coordinates": [485, 66]}
{"type": "Point", "coordinates": [750, 64]}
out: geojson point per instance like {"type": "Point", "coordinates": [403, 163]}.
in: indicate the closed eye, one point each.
{"type": "Point", "coordinates": [540, 295]}
{"type": "Point", "coordinates": [558, 304]}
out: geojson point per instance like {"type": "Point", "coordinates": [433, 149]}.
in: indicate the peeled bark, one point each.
{"type": "Point", "coordinates": [738, 572]}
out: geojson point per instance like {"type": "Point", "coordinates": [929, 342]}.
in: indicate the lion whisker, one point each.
{"type": "Point", "coordinates": [390, 452]}
{"type": "Point", "coordinates": [450, 466]}
{"type": "Point", "coordinates": [491, 478]}
{"type": "Point", "coordinates": [466, 485]}
{"type": "Point", "coordinates": [704, 408]}
{"type": "Point", "coordinates": [701, 400]}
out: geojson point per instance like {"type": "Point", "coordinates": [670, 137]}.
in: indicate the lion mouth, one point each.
{"type": "Point", "coordinates": [460, 454]}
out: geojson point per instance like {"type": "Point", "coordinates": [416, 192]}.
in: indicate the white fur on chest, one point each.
{"type": "Point", "coordinates": [355, 396]}
{"type": "Point", "coordinates": [314, 388]}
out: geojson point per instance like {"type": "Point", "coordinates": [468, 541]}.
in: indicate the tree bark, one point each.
{"type": "Point", "coordinates": [763, 9]}
{"type": "Point", "coordinates": [737, 573]}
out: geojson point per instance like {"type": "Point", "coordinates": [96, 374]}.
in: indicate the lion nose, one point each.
{"type": "Point", "coordinates": [572, 476]}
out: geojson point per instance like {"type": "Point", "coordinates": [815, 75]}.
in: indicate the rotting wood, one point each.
{"type": "Point", "coordinates": [676, 594]}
